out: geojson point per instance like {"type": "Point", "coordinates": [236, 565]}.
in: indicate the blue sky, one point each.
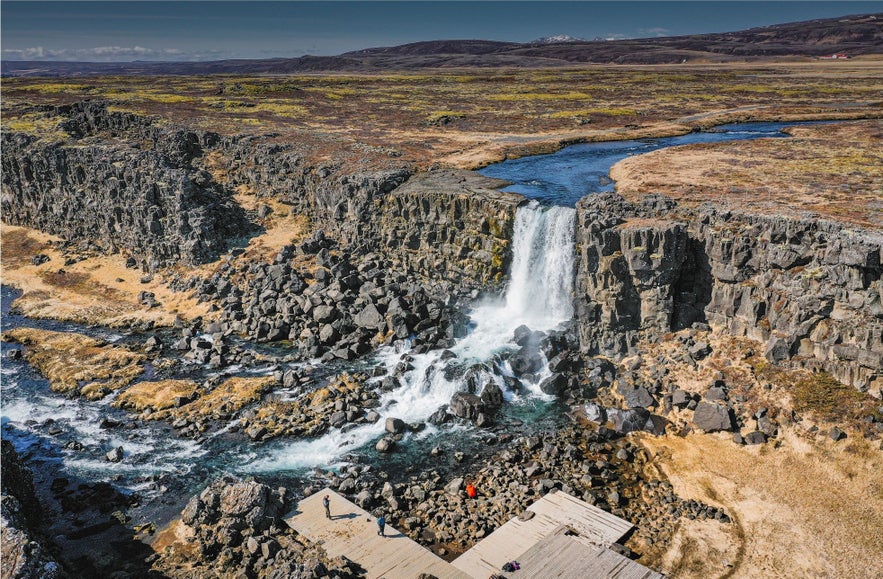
{"type": "Point", "coordinates": [210, 30]}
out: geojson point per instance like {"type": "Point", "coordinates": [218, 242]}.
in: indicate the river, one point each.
{"type": "Point", "coordinates": [159, 464]}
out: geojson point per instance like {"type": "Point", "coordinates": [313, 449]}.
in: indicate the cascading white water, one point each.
{"type": "Point", "coordinates": [541, 279]}
{"type": "Point", "coordinates": [539, 295]}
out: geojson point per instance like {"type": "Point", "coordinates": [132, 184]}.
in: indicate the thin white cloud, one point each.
{"type": "Point", "coordinates": [107, 54]}
{"type": "Point", "coordinates": [656, 31]}
{"type": "Point", "coordinates": [615, 36]}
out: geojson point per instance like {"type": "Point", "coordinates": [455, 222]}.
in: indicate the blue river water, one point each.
{"type": "Point", "coordinates": [563, 177]}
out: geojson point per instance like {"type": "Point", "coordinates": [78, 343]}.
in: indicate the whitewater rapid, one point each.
{"type": "Point", "coordinates": [539, 295]}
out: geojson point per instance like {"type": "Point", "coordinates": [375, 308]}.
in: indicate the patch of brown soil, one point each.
{"type": "Point", "coordinates": [78, 364]}
{"type": "Point", "coordinates": [803, 509]}
{"type": "Point", "coordinates": [834, 171]}
{"type": "Point", "coordinates": [97, 290]}
{"type": "Point", "coordinates": [281, 226]}
{"type": "Point", "coordinates": [158, 395]}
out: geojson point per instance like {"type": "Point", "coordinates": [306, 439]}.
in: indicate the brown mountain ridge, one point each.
{"type": "Point", "coordinates": [853, 35]}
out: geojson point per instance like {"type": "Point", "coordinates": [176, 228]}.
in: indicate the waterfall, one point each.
{"type": "Point", "coordinates": [541, 278]}
{"type": "Point", "coordinates": [539, 295]}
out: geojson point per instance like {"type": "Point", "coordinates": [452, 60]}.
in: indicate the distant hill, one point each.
{"type": "Point", "coordinates": [851, 35]}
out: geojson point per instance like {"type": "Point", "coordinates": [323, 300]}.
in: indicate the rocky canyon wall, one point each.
{"type": "Point", "coordinates": [165, 195]}
{"type": "Point", "coordinates": [120, 182]}
{"type": "Point", "coordinates": [808, 289]}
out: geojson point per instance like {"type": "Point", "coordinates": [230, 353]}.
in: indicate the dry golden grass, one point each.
{"type": "Point", "coordinates": [802, 505]}
{"type": "Point", "coordinates": [281, 226]}
{"type": "Point", "coordinates": [78, 364]}
{"type": "Point", "coordinates": [226, 399]}
{"type": "Point", "coordinates": [158, 395]}
{"type": "Point", "coordinates": [99, 289]}
{"type": "Point", "coordinates": [835, 171]}
{"type": "Point", "coordinates": [800, 509]}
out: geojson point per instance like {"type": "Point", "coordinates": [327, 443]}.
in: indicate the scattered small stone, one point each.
{"type": "Point", "coordinates": [837, 434]}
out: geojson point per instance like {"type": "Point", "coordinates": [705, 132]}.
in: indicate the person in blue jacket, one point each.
{"type": "Point", "coordinates": [381, 525]}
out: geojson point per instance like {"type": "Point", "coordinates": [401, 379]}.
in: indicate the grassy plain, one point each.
{"type": "Point", "coordinates": [468, 118]}
{"type": "Point", "coordinates": [833, 171]}
{"type": "Point", "coordinates": [471, 117]}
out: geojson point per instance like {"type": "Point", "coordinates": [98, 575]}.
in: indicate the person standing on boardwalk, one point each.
{"type": "Point", "coordinates": [381, 525]}
{"type": "Point", "coordinates": [326, 502]}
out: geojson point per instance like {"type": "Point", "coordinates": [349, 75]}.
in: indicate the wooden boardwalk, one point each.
{"type": "Point", "coordinates": [570, 557]}
{"type": "Point", "coordinates": [352, 532]}
{"type": "Point", "coordinates": [566, 538]}
{"type": "Point", "coordinates": [553, 514]}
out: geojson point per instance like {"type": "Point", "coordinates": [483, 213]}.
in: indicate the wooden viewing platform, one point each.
{"type": "Point", "coordinates": [555, 513]}
{"type": "Point", "coordinates": [352, 532]}
{"type": "Point", "coordinates": [563, 538]}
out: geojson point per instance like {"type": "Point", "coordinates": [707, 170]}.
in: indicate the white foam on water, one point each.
{"type": "Point", "coordinates": [539, 295]}
{"type": "Point", "coordinates": [144, 451]}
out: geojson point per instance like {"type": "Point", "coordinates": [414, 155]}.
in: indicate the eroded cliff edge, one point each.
{"type": "Point", "coordinates": [808, 289]}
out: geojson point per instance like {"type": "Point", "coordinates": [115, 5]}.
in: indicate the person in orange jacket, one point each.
{"type": "Point", "coordinates": [470, 490]}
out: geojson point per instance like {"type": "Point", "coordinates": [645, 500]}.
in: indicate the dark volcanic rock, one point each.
{"type": "Point", "coordinates": [466, 405]}
{"type": "Point", "coordinates": [712, 417]}
{"type": "Point", "coordinates": [807, 289]}
{"type": "Point", "coordinates": [151, 202]}
{"type": "Point", "coordinates": [25, 553]}
{"type": "Point", "coordinates": [236, 530]}
{"type": "Point", "coordinates": [636, 397]}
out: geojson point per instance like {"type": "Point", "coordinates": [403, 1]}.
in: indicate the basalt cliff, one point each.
{"type": "Point", "coordinates": [808, 289]}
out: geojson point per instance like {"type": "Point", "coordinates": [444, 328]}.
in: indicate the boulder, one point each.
{"type": "Point", "coordinates": [115, 455]}
{"type": "Point", "coordinates": [385, 444]}
{"type": "Point", "coordinates": [324, 314]}
{"type": "Point", "coordinates": [595, 413]}
{"type": "Point", "coordinates": [755, 437]}
{"type": "Point", "coordinates": [395, 425]}
{"type": "Point", "coordinates": [492, 396]}
{"type": "Point", "coordinates": [712, 417]}
{"type": "Point", "coordinates": [364, 499]}
{"type": "Point", "coordinates": [631, 420]}
{"type": "Point", "coordinates": [637, 397]}
{"type": "Point", "coordinates": [440, 416]}
{"type": "Point", "coordinates": [527, 360]}
{"type": "Point", "coordinates": [369, 318]}
{"type": "Point", "coordinates": [700, 350]}
{"type": "Point", "coordinates": [837, 434]}
{"type": "Point", "coordinates": [455, 486]}
{"type": "Point", "coordinates": [554, 384]}
{"type": "Point", "coordinates": [716, 393]}
{"type": "Point", "coordinates": [466, 405]}
{"type": "Point", "coordinates": [680, 398]}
